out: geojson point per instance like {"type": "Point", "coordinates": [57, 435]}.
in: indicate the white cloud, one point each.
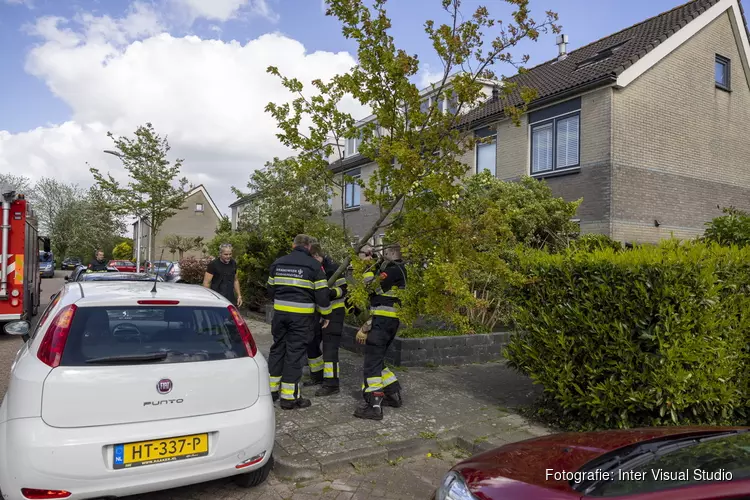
{"type": "Point", "coordinates": [208, 96]}
{"type": "Point", "coordinates": [427, 77]}
{"type": "Point", "coordinates": [223, 10]}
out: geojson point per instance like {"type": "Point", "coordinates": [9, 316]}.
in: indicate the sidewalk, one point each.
{"type": "Point", "coordinates": [466, 406]}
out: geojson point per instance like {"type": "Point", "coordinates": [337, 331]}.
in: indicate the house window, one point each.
{"type": "Point", "coordinates": [352, 146]}
{"type": "Point", "coordinates": [199, 207]}
{"type": "Point", "coordinates": [555, 143]}
{"type": "Point", "coordinates": [722, 72]}
{"type": "Point", "coordinates": [352, 190]}
{"type": "Point", "coordinates": [486, 152]}
{"type": "Point", "coordinates": [330, 198]}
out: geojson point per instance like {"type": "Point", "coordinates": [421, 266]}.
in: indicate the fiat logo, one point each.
{"type": "Point", "coordinates": [164, 386]}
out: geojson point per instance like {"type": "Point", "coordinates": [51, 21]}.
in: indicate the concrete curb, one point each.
{"type": "Point", "coordinates": [469, 438]}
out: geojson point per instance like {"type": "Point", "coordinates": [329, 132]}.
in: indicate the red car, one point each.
{"type": "Point", "coordinates": [668, 463]}
{"type": "Point", "coordinates": [122, 266]}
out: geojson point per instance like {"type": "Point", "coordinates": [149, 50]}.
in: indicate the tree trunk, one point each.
{"type": "Point", "coordinates": [370, 232]}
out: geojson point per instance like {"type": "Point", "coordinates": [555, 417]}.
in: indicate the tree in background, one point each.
{"type": "Point", "coordinates": [123, 251]}
{"type": "Point", "coordinates": [224, 225]}
{"type": "Point", "coordinates": [415, 147]}
{"type": "Point", "coordinates": [18, 183]}
{"type": "Point", "coordinates": [291, 200]}
{"type": "Point", "coordinates": [181, 244]}
{"type": "Point", "coordinates": [151, 191]}
{"type": "Point", "coordinates": [732, 228]}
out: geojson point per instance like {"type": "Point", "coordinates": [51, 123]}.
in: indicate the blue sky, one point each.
{"type": "Point", "coordinates": [111, 65]}
{"type": "Point", "coordinates": [27, 103]}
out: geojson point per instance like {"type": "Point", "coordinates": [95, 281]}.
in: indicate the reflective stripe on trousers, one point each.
{"type": "Point", "coordinates": [275, 384]}
{"type": "Point", "coordinates": [315, 364]}
{"type": "Point", "coordinates": [387, 378]}
{"type": "Point", "coordinates": [338, 303]}
{"type": "Point", "coordinates": [294, 307]}
{"type": "Point", "coordinates": [330, 370]}
{"type": "Point", "coordinates": [290, 392]}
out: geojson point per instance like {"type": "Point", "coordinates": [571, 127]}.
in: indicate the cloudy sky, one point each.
{"type": "Point", "coordinates": [71, 70]}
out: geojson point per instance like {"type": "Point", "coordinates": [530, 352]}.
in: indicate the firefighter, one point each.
{"type": "Point", "coordinates": [298, 288]}
{"type": "Point", "coordinates": [314, 350]}
{"type": "Point", "coordinates": [381, 387]}
{"type": "Point", "coordinates": [331, 335]}
{"type": "Point", "coordinates": [99, 265]}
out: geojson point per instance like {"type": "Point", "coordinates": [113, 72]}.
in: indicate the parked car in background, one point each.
{"type": "Point", "coordinates": [119, 276]}
{"type": "Point", "coordinates": [70, 263]}
{"type": "Point", "coordinates": [81, 271]}
{"type": "Point", "coordinates": [160, 266]}
{"type": "Point", "coordinates": [124, 266]}
{"type": "Point", "coordinates": [669, 463]}
{"type": "Point", "coordinates": [172, 274]}
{"type": "Point", "coordinates": [47, 269]}
{"type": "Point", "coordinates": [152, 362]}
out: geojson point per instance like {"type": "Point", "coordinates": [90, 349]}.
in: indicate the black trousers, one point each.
{"type": "Point", "coordinates": [314, 351]}
{"type": "Point", "coordinates": [291, 334]}
{"type": "Point", "coordinates": [378, 378]}
{"type": "Point", "coordinates": [331, 344]}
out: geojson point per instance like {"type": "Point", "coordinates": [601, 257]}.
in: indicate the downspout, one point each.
{"type": "Point", "coordinates": [4, 251]}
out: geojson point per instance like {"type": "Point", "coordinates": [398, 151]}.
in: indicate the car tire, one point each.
{"type": "Point", "coordinates": [256, 477]}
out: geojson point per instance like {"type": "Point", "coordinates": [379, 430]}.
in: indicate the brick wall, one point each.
{"type": "Point", "coordinates": [681, 146]}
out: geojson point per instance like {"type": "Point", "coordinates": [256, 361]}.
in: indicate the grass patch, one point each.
{"type": "Point", "coordinates": [394, 463]}
{"type": "Point", "coordinates": [427, 435]}
{"type": "Point", "coordinates": [481, 439]}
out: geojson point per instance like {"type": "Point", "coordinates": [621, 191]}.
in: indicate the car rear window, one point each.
{"type": "Point", "coordinates": [184, 334]}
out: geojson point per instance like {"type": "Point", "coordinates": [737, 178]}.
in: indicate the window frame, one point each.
{"type": "Point", "coordinates": [727, 64]}
{"type": "Point", "coordinates": [200, 207]}
{"type": "Point", "coordinates": [358, 175]}
{"type": "Point", "coordinates": [348, 146]}
{"type": "Point", "coordinates": [480, 135]}
{"type": "Point", "coordinates": [553, 121]}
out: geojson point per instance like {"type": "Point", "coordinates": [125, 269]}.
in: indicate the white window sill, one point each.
{"type": "Point", "coordinates": [557, 173]}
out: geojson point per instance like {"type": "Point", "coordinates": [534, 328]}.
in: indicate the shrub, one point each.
{"type": "Point", "coordinates": [732, 228]}
{"type": "Point", "coordinates": [657, 335]}
{"type": "Point", "coordinates": [592, 242]}
{"type": "Point", "coordinates": [192, 270]}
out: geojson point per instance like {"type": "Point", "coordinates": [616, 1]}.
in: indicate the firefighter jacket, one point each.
{"type": "Point", "coordinates": [383, 301]}
{"type": "Point", "coordinates": [338, 290]}
{"type": "Point", "coordinates": [297, 284]}
{"type": "Point", "coordinates": [97, 266]}
{"type": "Point", "coordinates": [368, 277]}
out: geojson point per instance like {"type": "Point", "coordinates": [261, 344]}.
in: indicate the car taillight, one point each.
{"type": "Point", "coordinates": [158, 302]}
{"type": "Point", "coordinates": [38, 494]}
{"type": "Point", "coordinates": [53, 344]}
{"type": "Point", "coordinates": [244, 330]}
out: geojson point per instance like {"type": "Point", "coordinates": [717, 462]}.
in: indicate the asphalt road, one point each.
{"type": "Point", "coordinates": [9, 345]}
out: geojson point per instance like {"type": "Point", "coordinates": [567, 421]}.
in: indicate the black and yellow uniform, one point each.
{"type": "Point", "coordinates": [323, 350]}
{"type": "Point", "coordinates": [332, 333]}
{"type": "Point", "coordinates": [298, 288]}
{"type": "Point", "coordinates": [380, 384]}
{"type": "Point", "coordinates": [97, 266]}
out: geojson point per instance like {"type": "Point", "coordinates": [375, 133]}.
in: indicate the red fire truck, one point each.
{"type": "Point", "coordinates": [20, 282]}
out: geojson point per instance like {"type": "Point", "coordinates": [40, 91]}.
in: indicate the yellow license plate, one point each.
{"type": "Point", "coordinates": [159, 451]}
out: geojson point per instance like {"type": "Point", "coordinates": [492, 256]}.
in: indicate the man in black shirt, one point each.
{"type": "Point", "coordinates": [98, 265]}
{"type": "Point", "coordinates": [221, 276]}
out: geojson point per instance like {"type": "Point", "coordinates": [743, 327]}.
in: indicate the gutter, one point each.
{"type": "Point", "coordinates": [4, 246]}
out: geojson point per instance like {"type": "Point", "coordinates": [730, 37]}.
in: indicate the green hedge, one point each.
{"type": "Point", "coordinates": [654, 336]}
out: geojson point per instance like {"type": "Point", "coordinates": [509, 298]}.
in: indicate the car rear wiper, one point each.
{"type": "Point", "coordinates": [153, 356]}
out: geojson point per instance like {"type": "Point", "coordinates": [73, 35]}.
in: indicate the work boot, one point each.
{"type": "Point", "coordinates": [371, 409]}
{"type": "Point", "coordinates": [327, 391]}
{"type": "Point", "coordinates": [275, 396]}
{"type": "Point", "coordinates": [295, 404]}
{"type": "Point", "coordinates": [393, 400]}
{"type": "Point", "coordinates": [313, 381]}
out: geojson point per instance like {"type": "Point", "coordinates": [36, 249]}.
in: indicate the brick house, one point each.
{"type": "Point", "coordinates": [650, 126]}
{"type": "Point", "coordinates": [199, 217]}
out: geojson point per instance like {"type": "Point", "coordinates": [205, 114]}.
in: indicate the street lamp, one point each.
{"type": "Point", "coordinates": [139, 235]}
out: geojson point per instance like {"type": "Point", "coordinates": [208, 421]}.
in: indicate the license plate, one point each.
{"type": "Point", "coordinates": [159, 451]}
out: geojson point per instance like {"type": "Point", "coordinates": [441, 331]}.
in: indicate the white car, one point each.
{"type": "Point", "coordinates": [120, 391]}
